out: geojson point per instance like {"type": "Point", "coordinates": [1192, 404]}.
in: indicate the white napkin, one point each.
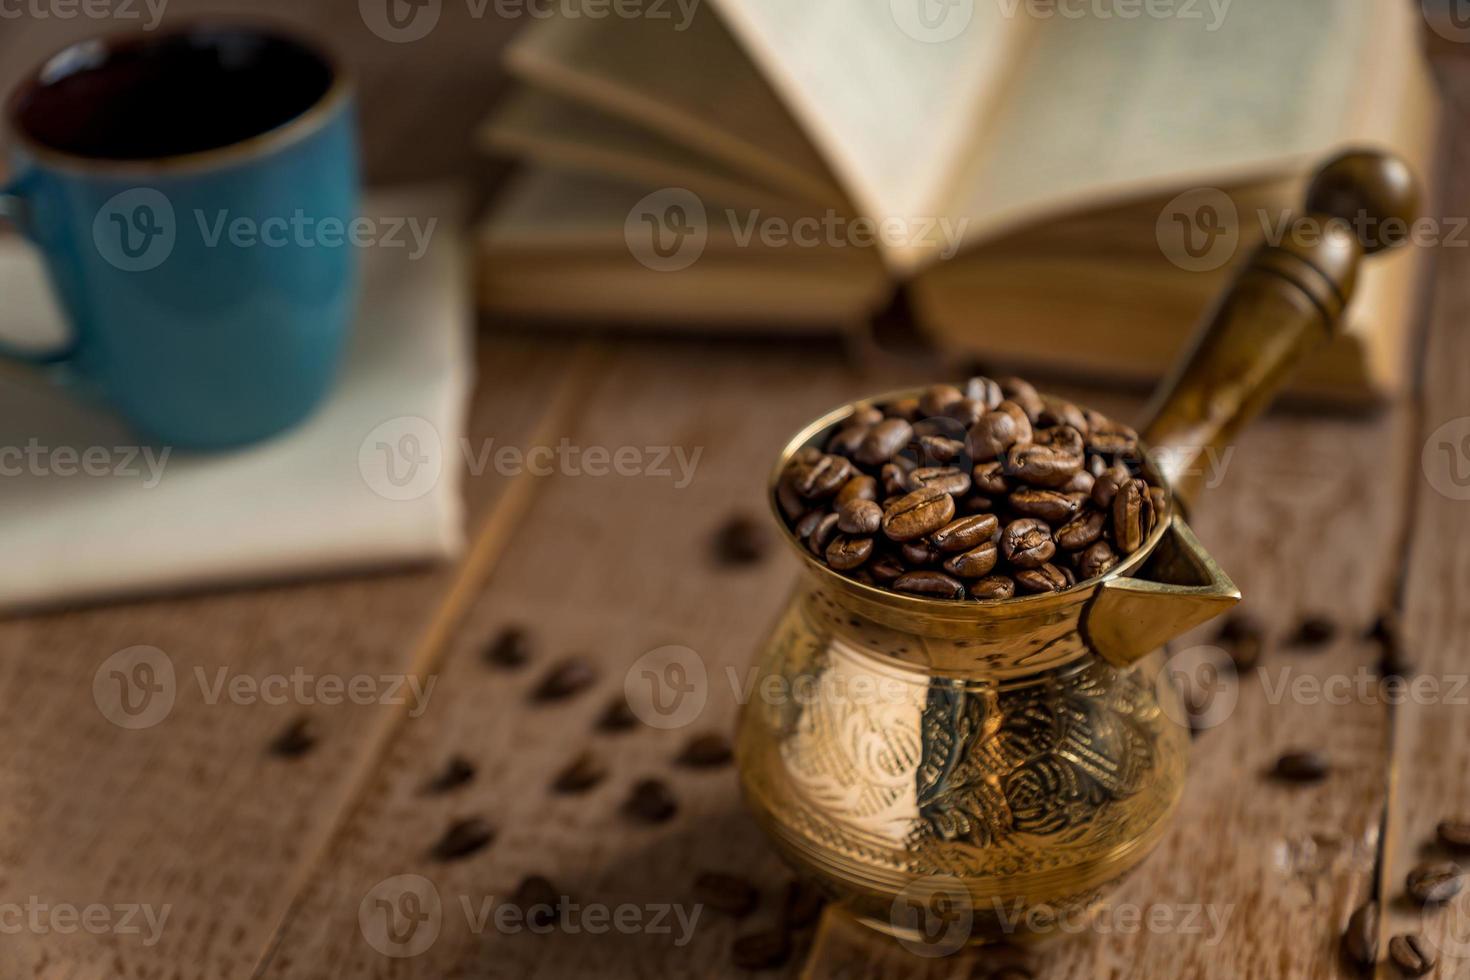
{"type": "Point", "coordinates": [87, 513]}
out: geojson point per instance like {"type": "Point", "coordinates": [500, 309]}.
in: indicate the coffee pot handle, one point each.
{"type": "Point", "coordinates": [1288, 299]}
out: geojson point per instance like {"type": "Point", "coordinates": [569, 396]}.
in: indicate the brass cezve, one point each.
{"type": "Point", "coordinates": [1018, 754]}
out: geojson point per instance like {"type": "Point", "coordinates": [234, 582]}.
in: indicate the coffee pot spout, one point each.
{"type": "Point", "coordinates": [1178, 588]}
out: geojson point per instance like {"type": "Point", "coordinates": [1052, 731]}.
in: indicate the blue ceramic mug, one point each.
{"type": "Point", "coordinates": [192, 194]}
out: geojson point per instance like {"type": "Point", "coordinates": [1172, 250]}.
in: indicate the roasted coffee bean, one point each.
{"type": "Point", "coordinates": [1027, 543]}
{"type": "Point", "coordinates": [463, 838]}
{"type": "Point", "coordinates": [966, 411]}
{"type": "Point", "coordinates": [1083, 530]}
{"type": "Point", "coordinates": [1412, 954]}
{"type": "Point", "coordinates": [651, 802]}
{"type": "Point", "coordinates": [953, 481]}
{"type": "Point", "coordinates": [824, 477]}
{"type": "Point", "coordinates": [761, 950]}
{"type": "Point", "coordinates": [1360, 938]}
{"type": "Point", "coordinates": [618, 716]}
{"type": "Point", "coordinates": [1097, 559]}
{"type": "Point", "coordinates": [886, 568]}
{"type": "Point", "coordinates": [1302, 767]}
{"type": "Point", "coordinates": [706, 752]}
{"type": "Point", "coordinates": [791, 502]}
{"type": "Point", "coordinates": [1454, 834]}
{"type": "Point", "coordinates": [1063, 438]}
{"type": "Point", "coordinates": [539, 901]}
{"type": "Point", "coordinates": [942, 451]}
{"type": "Point", "coordinates": [917, 514]}
{"type": "Point", "coordinates": [1057, 411]}
{"type": "Point", "coordinates": [849, 551]}
{"type": "Point", "coordinates": [976, 504]}
{"type": "Point", "coordinates": [1313, 632]}
{"type": "Point", "coordinates": [568, 677]}
{"type": "Point", "coordinates": [994, 587]}
{"type": "Point", "coordinates": [865, 415]}
{"type": "Point", "coordinates": [1108, 438]}
{"type": "Point", "coordinates": [1025, 395]}
{"type": "Point", "coordinates": [937, 398]}
{"type": "Point", "coordinates": [511, 648]}
{"type": "Point", "coordinates": [1105, 488]}
{"type": "Point", "coordinates": [1434, 884]}
{"type": "Point", "coordinates": [822, 535]}
{"type": "Point", "coordinates": [805, 455]}
{"type": "Point", "coordinates": [859, 517]}
{"type": "Point", "coordinates": [1243, 638]}
{"type": "Point", "coordinates": [1160, 501]}
{"type": "Point", "coordinates": [1132, 516]}
{"type": "Point", "coordinates": [296, 739]}
{"type": "Point", "coordinates": [975, 563]}
{"type": "Point", "coordinates": [1051, 506]}
{"type": "Point", "coordinates": [1081, 483]}
{"type": "Point", "coordinates": [989, 478]}
{"type": "Point", "coordinates": [848, 439]}
{"type": "Point", "coordinates": [1041, 466]}
{"type": "Point", "coordinates": [1393, 656]}
{"type": "Point", "coordinates": [985, 391]}
{"type": "Point", "coordinates": [884, 441]}
{"type": "Point", "coordinates": [998, 431]}
{"type": "Point", "coordinates": [742, 540]}
{"type": "Point", "coordinates": [730, 894]}
{"type": "Point", "coordinates": [456, 772]}
{"type": "Point", "coordinates": [905, 408]}
{"type": "Point", "coordinates": [858, 488]}
{"type": "Point", "coordinates": [965, 533]}
{"type": "Point", "coordinates": [809, 522]}
{"type": "Point", "coordinates": [920, 553]}
{"type": "Point", "coordinates": [1046, 578]}
{"type": "Point", "coordinates": [935, 585]}
{"type": "Point", "coordinates": [801, 904]}
{"type": "Point", "coordinates": [895, 480]}
{"type": "Point", "coordinates": [583, 773]}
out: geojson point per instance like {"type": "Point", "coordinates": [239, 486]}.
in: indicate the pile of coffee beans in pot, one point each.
{"type": "Point", "coordinates": [983, 491]}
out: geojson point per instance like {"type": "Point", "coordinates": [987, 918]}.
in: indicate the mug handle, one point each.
{"type": "Point", "coordinates": [13, 210]}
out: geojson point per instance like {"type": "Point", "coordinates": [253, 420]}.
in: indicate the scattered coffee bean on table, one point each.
{"type": "Point", "coordinates": [1301, 767]}
{"type": "Point", "coordinates": [456, 772]}
{"type": "Point", "coordinates": [583, 773]}
{"type": "Point", "coordinates": [617, 717]}
{"type": "Point", "coordinates": [296, 739]}
{"type": "Point", "coordinates": [742, 540]}
{"type": "Point", "coordinates": [1434, 884]}
{"type": "Point", "coordinates": [981, 491]}
{"type": "Point", "coordinates": [1244, 639]}
{"type": "Point", "coordinates": [801, 904]}
{"type": "Point", "coordinates": [651, 801]}
{"type": "Point", "coordinates": [463, 838]}
{"type": "Point", "coordinates": [1313, 632]}
{"type": "Point", "coordinates": [1360, 938]}
{"type": "Point", "coordinates": [1393, 658]}
{"type": "Point", "coordinates": [706, 752]}
{"type": "Point", "coordinates": [539, 901]}
{"type": "Point", "coordinates": [726, 893]}
{"type": "Point", "coordinates": [512, 648]}
{"type": "Point", "coordinates": [1454, 834]}
{"type": "Point", "coordinates": [761, 950]}
{"type": "Point", "coordinates": [569, 677]}
{"type": "Point", "coordinates": [1412, 954]}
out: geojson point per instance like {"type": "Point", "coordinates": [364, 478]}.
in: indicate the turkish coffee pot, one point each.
{"type": "Point", "coordinates": [1018, 755]}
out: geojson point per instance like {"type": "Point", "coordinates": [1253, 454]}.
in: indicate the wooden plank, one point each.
{"type": "Point", "coordinates": [1302, 522]}
{"type": "Point", "coordinates": [194, 814]}
{"type": "Point", "coordinates": [1432, 724]}
{"type": "Point", "coordinates": [612, 567]}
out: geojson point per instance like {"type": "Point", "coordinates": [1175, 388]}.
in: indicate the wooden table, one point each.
{"type": "Point", "coordinates": [265, 862]}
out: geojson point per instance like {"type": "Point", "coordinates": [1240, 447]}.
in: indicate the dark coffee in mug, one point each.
{"type": "Point", "coordinates": [152, 97]}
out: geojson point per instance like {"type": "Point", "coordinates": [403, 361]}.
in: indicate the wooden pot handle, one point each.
{"type": "Point", "coordinates": [1287, 300]}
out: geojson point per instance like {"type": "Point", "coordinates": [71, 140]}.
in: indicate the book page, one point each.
{"type": "Point", "coordinates": [685, 79]}
{"type": "Point", "coordinates": [890, 90]}
{"type": "Point", "coordinates": [1111, 107]}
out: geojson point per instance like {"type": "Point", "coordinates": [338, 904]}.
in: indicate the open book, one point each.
{"type": "Point", "coordinates": [1057, 185]}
